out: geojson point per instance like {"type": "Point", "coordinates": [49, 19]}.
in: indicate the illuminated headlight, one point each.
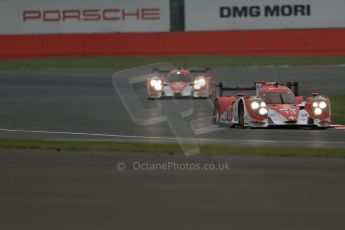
{"type": "Point", "coordinates": [158, 87]}
{"type": "Point", "coordinates": [318, 107]}
{"type": "Point", "coordinates": [255, 105]}
{"type": "Point", "coordinates": [198, 83]}
{"type": "Point", "coordinates": [202, 82]}
{"type": "Point", "coordinates": [157, 84]}
{"type": "Point", "coordinates": [263, 111]}
{"type": "Point", "coordinates": [197, 86]}
{"type": "Point", "coordinates": [317, 111]}
{"type": "Point", "coordinates": [153, 82]}
{"type": "Point", "coordinates": [315, 104]}
{"type": "Point", "coordinates": [262, 104]}
{"type": "Point", "coordinates": [322, 105]}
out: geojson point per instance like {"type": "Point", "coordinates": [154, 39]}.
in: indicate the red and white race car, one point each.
{"type": "Point", "coordinates": [273, 105]}
{"type": "Point", "coordinates": [180, 82]}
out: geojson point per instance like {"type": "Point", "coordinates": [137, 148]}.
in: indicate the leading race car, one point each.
{"type": "Point", "coordinates": [273, 105]}
{"type": "Point", "coordinates": [179, 82]}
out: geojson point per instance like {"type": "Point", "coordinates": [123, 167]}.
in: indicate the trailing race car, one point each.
{"type": "Point", "coordinates": [179, 82]}
{"type": "Point", "coordinates": [273, 105]}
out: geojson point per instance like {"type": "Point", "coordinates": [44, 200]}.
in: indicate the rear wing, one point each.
{"type": "Point", "coordinates": [223, 88]}
{"type": "Point", "coordinates": [157, 70]}
{"type": "Point", "coordinates": [200, 70]}
{"type": "Point", "coordinates": [192, 70]}
{"type": "Point", "coordinates": [293, 86]}
{"type": "Point", "coordinates": [257, 86]}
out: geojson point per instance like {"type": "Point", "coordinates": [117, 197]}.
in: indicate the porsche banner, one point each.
{"type": "Point", "coordinates": [263, 14]}
{"type": "Point", "coordinates": [83, 16]}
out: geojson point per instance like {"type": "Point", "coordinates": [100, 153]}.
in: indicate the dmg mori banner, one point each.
{"type": "Point", "coordinates": [83, 16]}
{"type": "Point", "coordinates": [263, 14]}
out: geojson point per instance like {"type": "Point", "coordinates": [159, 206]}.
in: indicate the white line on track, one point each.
{"type": "Point", "coordinates": [114, 135]}
{"type": "Point", "coordinates": [131, 137]}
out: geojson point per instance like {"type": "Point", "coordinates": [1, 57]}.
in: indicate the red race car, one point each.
{"type": "Point", "coordinates": [273, 105]}
{"type": "Point", "coordinates": [179, 82]}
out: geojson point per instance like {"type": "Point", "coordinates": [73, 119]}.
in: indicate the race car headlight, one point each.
{"type": "Point", "coordinates": [202, 82]}
{"type": "Point", "coordinates": [199, 83]}
{"type": "Point", "coordinates": [262, 104]}
{"type": "Point", "coordinates": [317, 111]}
{"type": "Point", "coordinates": [255, 105]}
{"type": "Point", "coordinates": [197, 86]}
{"type": "Point", "coordinates": [263, 111]}
{"type": "Point", "coordinates": [153, 82]}
{"type": "Point", "coordinates": [319, 107]}
{"type": "Point", "coordinates": [158, 87]}
{"type": "Point", "coordinates": [322, 105]}
{"type": "Point", "coordinates": [156, 84]}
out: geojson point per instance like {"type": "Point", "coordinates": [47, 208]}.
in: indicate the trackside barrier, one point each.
{"type": "Point", "coordinates": [314, 42]}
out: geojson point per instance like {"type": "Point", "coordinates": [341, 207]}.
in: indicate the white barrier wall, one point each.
{"type": "Point", "coordinates": [83, 16]}
{"type": "Point", "coordinates": [263, 14]}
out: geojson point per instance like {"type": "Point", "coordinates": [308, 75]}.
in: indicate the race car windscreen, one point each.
{"type": "Point", "coordinates": [278, 98]}
{"type": "Point", "coordinates": [178, 76]}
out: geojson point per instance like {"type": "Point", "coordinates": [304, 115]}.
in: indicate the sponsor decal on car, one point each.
{"type": "Point", "coordinates": [271, 114]}
{"type": "Point", "coordinates": [304, 114]}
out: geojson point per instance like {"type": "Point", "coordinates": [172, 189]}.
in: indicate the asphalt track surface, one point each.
{"type": "Point", "coordinates": [102, 105]}
{"type": "Point", "coordinates": [84, 190]}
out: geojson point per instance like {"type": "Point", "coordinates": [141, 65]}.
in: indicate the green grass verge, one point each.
{"type": "Point", "coordinates": [120, 62]}
{"type": "Point", "coordinates": [338, 109]}
{"type": "Point", "coordinates": [166, 148]}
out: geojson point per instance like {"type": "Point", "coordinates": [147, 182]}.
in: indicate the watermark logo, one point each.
{"type": "Point", "coordinates": [173, 111]}
{"type": "Point", "coordinates": [121, 166]}
{"type": "Point", "coordinates": [147, 166]}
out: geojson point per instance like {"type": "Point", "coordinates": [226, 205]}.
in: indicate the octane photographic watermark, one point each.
{"type": "Point", "coordinates": [174, 112]}
{"type": "Point", "coordinates": [172, 166]}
